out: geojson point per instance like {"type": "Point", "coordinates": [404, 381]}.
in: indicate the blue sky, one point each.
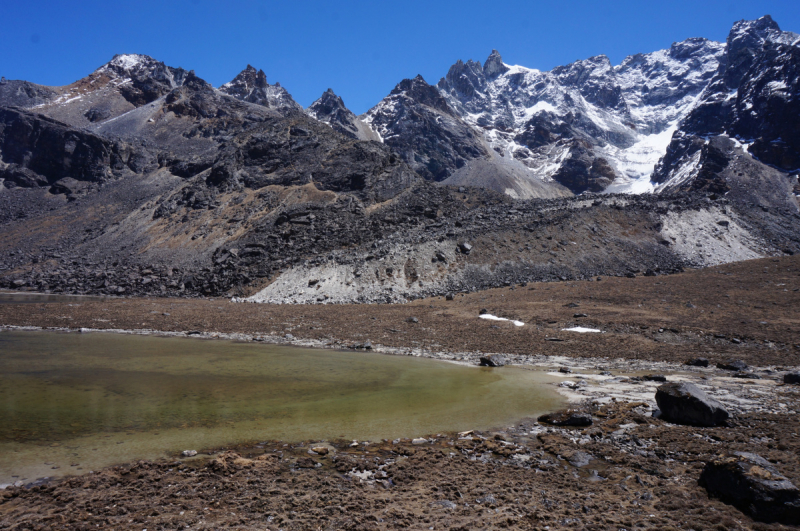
{"type": "Point", "coordinates": [361, 49]}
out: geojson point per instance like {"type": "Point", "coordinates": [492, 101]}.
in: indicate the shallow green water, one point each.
{"type": "Point", "coordinates": [79, 401]}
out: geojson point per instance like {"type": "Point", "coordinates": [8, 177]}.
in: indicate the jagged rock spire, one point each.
{"type": "Point", "coordinates": [494, 65]}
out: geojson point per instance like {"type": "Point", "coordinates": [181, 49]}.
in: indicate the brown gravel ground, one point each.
{"type": "Point", "coordinates": [667, 318]}
{"type": "Point", "coordinates": [643, 475]}
{"type": "Point", "coordinates": [477, 482]}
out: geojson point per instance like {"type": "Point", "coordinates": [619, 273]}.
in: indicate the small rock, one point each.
{"type": "Point", "coordinates": [488, 500]}
{"type": "Point", "coordinates": [189, 453]}
{"type": "Point", "coordinates": [685, 403]}
{"type": "Point", "coordinates": [753, 485]}
{"type": "Point", "coordinates": [418, 441]}
{"type": "Point", "coordinates": [492, 360]}
{"type": "Point", "coordinates": [412, 320]}
{"type": "Point", "coordinates": [483, 311]}
{"type": "Point", "coordinates": [655, 378]}
{"type": "Point", "coordinates": [791, 378]}
{"type": "Point", "coordinates": [568, 417]}
{"type": "Point", "coordinates": [732, 365]}
{"type": "Point", "coordinates": [736, 341]}
{"type": "Point", "coordinates": [321, 450]}
{"type": "Point", "coordinates": [697, 362]}
{"type": "Point", "coordinates": [579, 315]}
{"type": "Point", "coordinates": [445, 504]}
{"type": "Point", "coordinates": [565, 370]}
{"type": "Point", "coordinates": [449, 297]}
{"type": "Point", "coordinates": [306, 462]}
{"type": "Point", "coordinates": [580, 459]}
{"type": "Point", "coordinates": [465, 247]}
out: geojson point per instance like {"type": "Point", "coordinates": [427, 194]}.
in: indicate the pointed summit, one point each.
{"type": "Point", "coordinates": [494, 65]}
{"type": "Point", "coordinates": [330, 109]}
{"type": "Point", "coordinates": [251, 85]}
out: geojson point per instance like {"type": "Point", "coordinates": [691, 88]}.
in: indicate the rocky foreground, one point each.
{"type": "Point", "coordinates": [727, 458]}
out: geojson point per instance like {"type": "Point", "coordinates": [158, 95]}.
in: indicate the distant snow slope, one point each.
{"type": "Point", "coordinates": [589, 125]}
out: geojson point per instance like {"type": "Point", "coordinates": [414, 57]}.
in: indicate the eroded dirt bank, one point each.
{"type": "Point", "coordinates": [628, 470]}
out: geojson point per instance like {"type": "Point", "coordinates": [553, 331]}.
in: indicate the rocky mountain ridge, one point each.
{"type": "Point", "coordinates": [144, 179]}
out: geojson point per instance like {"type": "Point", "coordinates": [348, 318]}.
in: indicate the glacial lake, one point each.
{"type": "Point", "coordinates": [72, 402]}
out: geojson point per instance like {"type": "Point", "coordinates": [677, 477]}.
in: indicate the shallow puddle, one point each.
{"type": "Point", "coordinates": [70, 403]}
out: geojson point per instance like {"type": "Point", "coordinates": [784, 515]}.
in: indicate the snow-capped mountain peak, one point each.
{"type": "Point", "coordinates": [142, 67]}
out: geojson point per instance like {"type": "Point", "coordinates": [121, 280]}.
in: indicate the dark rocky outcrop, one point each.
{"type": "Point", "coordinates": [697, 362]}
{"type": "Point", "coordinates": [760, 69]}
{"type": "Point", "coordinates": [685, 403]}
{"type": "Point", "coordinates": [754, 485]}
{"type": "Point", "coordinates": [39, 151]}
{"type": "Point", "coordinates": [568, 417]}
{"type": "Point", "coordinates": [791, 378]}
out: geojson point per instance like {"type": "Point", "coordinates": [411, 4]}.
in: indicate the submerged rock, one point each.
{"type": "Point", "coordinates": [753, 485]}
{"type": "Point", "coordinates": [568, 417]}
{"type": "Point", "coordinates": [493, 360]}
{"type": "Point", "coordinates": [697, 362]}
{"type": "Point", "coordinates": [685, 403]}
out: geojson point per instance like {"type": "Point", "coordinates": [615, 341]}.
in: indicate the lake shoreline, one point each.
{"type": "Point", "coordinates": [641, 470]}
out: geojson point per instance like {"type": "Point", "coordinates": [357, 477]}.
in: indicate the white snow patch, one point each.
{"type": "Point", "coordinates": [636, 163]}
{"type": "Point", "coordinates": [128, 60]}
{"type": "Point", "coordinates": [495, 318]}
{"type": "Point", "coordinates": [580, 330]}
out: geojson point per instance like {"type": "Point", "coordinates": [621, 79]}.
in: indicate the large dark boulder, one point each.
{"type": "Point", "coordinates": [750, 483]}
{"type": "Point", "coordinates": [685, 403]}
{"type": "Point", "coordinates": [732, 365]}
{"type": "Point", "coordinates": [791, 378]}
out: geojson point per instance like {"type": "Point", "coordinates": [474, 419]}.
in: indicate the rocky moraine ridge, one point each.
{"type": "Point", "coordinates": [143, 179]}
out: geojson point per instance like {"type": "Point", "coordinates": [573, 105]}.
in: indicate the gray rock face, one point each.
{"type": "Point", "coordinates": [685, 403]}
{"type": "Point", "coordinates": [419, 124]}
{"type": "Point", "coordinates": [753, 485]}
{"type": "Point", "coordinates": [251, 85]}
{"type": "Point", "coordinates": [24, 94]}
